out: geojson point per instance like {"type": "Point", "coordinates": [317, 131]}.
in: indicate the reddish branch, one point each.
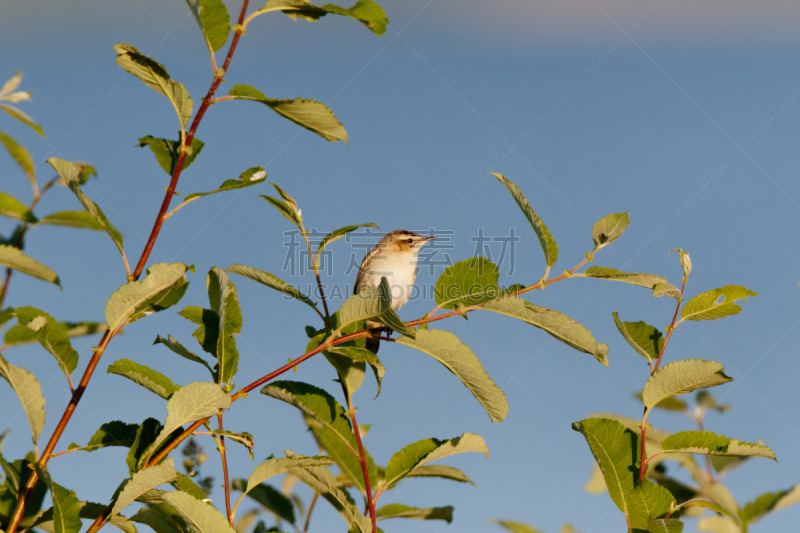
{"type": "Point", "coordinates": [643, 459]}
{"type": "Point", "coordinates": [222, 453]}
{"type": "Point", "coordinates": [98, 352]}
{"type": "Point", "coordinates": [176, 174]}
{"type": "Point", "coordinates": [346, 338]}
{"type": "Point", "coordinates": [362, 456]}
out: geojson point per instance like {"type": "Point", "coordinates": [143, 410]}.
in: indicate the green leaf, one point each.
{"type": "Point", "coordinates": [705, 400]}
{"type": "Point", "coordinates": [225, 303]}
{"type": "Point", "coordinates": [339, 233]}
{"type": "Point", "coordinates": [23, 158]}
{"type": "Point", "coordinates": [244, 438]}
{"type": "Point", "coordinates": [250, 177]}
{"type": "Point", "coordinates": [549, 245]}
{"type": "Point", "coordinates": [397, 510]}
{"type": "Point", "coordinates": [515, 527]}
{"type": "Point", "coordinates": [162, 518]}
{"type": "Point", "coordinates": [610, 228]}
{"type": "Point", "coordinates": [145, 436]}
{"type": "Point", "coordinates": [66, 507]}
{"type": "Point", "coordinates": [616, 450]}
{"type": "Point", "coordinates": [199, 517]}
{"type": "Point", "coordinates": [644, 338]}
{"type": "Point", "coordinates": [715, 491]}
{"type": "Point", "coordinates": [114, 433]}
{"type": "Point", "coordinates": [708, 443]}
{"type": "Point", "coordinates": [143, 481]}
{"type": "Point", "coordinates": [336, 432]}
{"type": "Point", "coordinates": [178, 348]}
{"type": "Point", "coordinates": [682, 377]}
{"type": "Point", "coordinates": [467, 283]}
{"type": "Point", "coordinates": [716, 304]}
{"type": "Point", "coordinates": [769, 502]}
{"type": "Point", "coordinates": [207, 333]}
{"type": "Point", "coordinates": [723, 464]}
{"type": "Point", "coordinates": [556, 324]}
{"type": "Point", "coordinates": [163, 287]}
{"type": "Point", "coordinates": [459, 359]}
{"type": "Point", "coordinates": [265, 278]}
{"type": "Point", "coordinates": [12, 208]}
{"type": "Point", "coordinates": [686, 263]}
{"type": "Point", "coordinates": [370, 302]}
{"type": "Point", "coordinates": [72, 219]}
{"type": "Point", "coordinates": [309, 114]}
{"type": "Point", "coordinates": [648, 501]}
{"type": "Point", "coordinates": [361, 355]}
{"type": "Point", "coordinates": [88, 510]}
{"type": "Point", "coordinates": [13, 258]}
{"type": "Point", "coordinates": [17, 335]}
{"type": "Point", "coordinates": [29, 391]}
{"type": "Point", "coordinates": [275, 467]}
{"type": "Point", "coordinates": [322, 481]}
{"type": "Point", "coordinates": [418, 454]}
{"type": "Point", "coordinates": [51, 334]}
{"type": "Point", "coordinates": [392, 320]}
{"type": "Point", "coordinates": [146, 377]}
{"type": "Point", "coordinates": [669, 404]}
{"type": "Point", "coordinates": [23, 117]}
{"type": "Point", "coordinates": [155, 76]}
{"type": "Point", "coordinates": [718, 524]}
{"type": "Point", "coordinates": [441, 471]}
{"type": "Point", "coordinates": [366, 11]}
{"type": "Point", "coordinates": [665, 525]}
{"type": "Point", "coordinates": [214, 21]}
{"type": "Point", "coordinates": [191, 403]}
{"type": "Point", "coordinates": [188, 486]}
{"type": "Point", "coordinates": [708, 505]}
{"type": "Point", "coordinates": [270, 498]}
{"type": "Point", "coordinates": [71, 174]}
{"type": "Point", "coordinates": [659, 285]}
{"type": "Point", "coordinates": [167, 152]}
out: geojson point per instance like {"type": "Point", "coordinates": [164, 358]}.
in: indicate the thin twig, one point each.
{"type": "Point", "coordinates": [671, 327]}
{"type": "Point", "coordinates": [310, 510]}
{"type": "Point", "coordinates": [207, 101]}
{"type": "Point", "coordinates": [362, 456]}
{"type": "Point", "coordinates": [331, 342]}
{"type": "Point", "coordinates": [62, 424]}
{"type": "Point", "coordinates": [643, 458]}
{"type": "Point", "coordinates": [221, 445]}
{"type": "Point", "coordinates": [76, 396]}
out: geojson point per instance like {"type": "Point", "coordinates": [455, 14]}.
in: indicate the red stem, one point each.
{"type": "Point", "coordinates": [671, 327]}
{"type": "Point", "coordinates": [352, 336]}
{"type": "Point", "coordinates": [225, 471]}
{"type": "Point", "coordinates": [62, 424]}
{"type": "Point", "coordinates": [20, 508]}
{"type": "Point", "coordinates": [176, 174]}
{"type": "Point", "coordinates": [362, 457]}
{"type": "Point", "coordinates": [643, 458]}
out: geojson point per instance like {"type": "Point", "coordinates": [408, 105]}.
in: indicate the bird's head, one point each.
{"type": "Point", "coordinates": [405, 241]}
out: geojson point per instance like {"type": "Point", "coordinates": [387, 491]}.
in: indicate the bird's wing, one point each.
{"type": "Point", "coordinates": [361, 270]}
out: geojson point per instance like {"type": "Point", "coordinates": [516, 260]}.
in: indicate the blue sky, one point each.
{"type": "Point", "coordinates": [683, 113]}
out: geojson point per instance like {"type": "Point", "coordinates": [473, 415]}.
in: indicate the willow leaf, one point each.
{"type": "Point", "coordinates": [459, 359]}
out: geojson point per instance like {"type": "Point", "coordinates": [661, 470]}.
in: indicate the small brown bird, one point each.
{"type": "Point", "coordinates": [395, 258]}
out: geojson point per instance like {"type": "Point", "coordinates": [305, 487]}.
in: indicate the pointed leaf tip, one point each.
{"type": "Point", "coordinates": [547, 241]}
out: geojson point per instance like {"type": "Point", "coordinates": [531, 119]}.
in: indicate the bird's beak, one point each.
{"type": "Point", "coordinates": [420, 242]}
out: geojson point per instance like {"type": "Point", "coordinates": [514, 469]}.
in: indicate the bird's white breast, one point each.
{"type": "Point", "coordinates": [399, 269]}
